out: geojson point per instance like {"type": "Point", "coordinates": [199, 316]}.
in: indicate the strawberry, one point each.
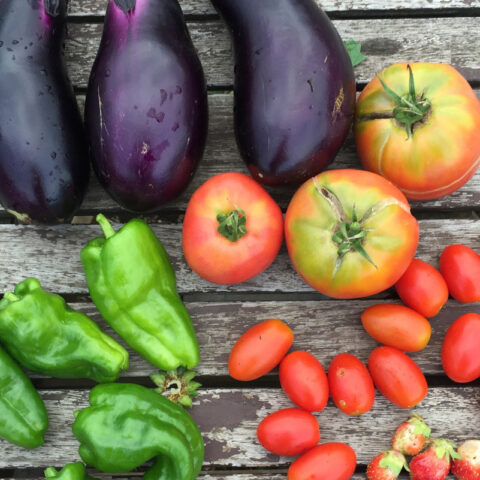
{"type": "Point", "coordinates": [467, 467]}
{"type": "Point", "coordinates": [410, 437]}
{"type": "Point", "coordinates": [386, 466]}
{"type": "Point", "coordinates": [433, 463]}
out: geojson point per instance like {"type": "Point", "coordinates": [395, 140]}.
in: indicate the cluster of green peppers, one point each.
{"type": "Point", "coordinates": [133, 285]}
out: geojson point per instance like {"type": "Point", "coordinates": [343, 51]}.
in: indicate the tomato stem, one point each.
{"type": "Point", "coordinates": [232, 225]}
{"type": "Point", "coordinates": [411, 108]}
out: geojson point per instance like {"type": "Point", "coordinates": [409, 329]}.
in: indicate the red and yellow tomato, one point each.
{"type": "Point", "coordinates": [350, 233]}
{"type": "Point", "coordinates": [232, 229]}
{"type": "Point", "coordinates": [437, 150]}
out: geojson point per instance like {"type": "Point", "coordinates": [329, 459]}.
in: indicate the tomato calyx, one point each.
{"type": "Point", "coordinates": [411, 108]}
{"type": "Point", "coordinates": [232, 225]}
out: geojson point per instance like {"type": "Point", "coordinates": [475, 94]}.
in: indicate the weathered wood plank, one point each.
{"type": "Point", "coordinates": [324, 328]}
{"type": "Point", "coordinates": [221, 155]}
{"type": "Point", "coordinates": [204, 7]}
{"type": "Point", "coordinates": [52, 254]}
{"type": "Point", "coordinates": [385, 41]}
{"type": "Point", "coordinates": [221, 475]}
{"type": "Point", "coordinates": [228, 420]}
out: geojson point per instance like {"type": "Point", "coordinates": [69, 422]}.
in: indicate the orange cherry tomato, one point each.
{"type": "Point", "coordinates": [329, 461]}
{"type": "Point", "coordinates": [304, 381]}
{"type": "Point", "coordinates": [397, 326]}
{"type": "Point", "coordinates": [259, 350]}
{"type": "Point", "coordinates": [423, 288]}
{"type": "Point", "coordinates": [461, 349]}
{"type": "Point", "coordinates": [288, 432]}
{"type": "Point", "coordinates": [397, 377]}
{"type": "Point", "coordinates": [351, 385]}
{"type": "Point", "coordinates": [232, 230]}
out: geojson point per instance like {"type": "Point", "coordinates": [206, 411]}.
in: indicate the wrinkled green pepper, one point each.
{"type": "Point", "coordinates": [23, 417]}
{"type": "Point", "coordinates": [127, 425]}
{"type": "Point", "coordinates": [71, 471]}
{"type": "Point", "coordinates": [133, 285]}
{"type": "Point", "coordinates": [45, 335]}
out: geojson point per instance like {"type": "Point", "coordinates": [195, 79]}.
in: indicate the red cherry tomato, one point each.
{"type": "Point", "coordinates": [232, 230]}
{"type": "Point", "coordinates": [461, 349]}
{"type": "Point", "coordinates": [397, 326]}
{"type": "Point", "coordinates": [288, 432]}
{"type": "Point", "coordinates": [460, 266]}
{"type": "Point", "coordinates": [304, 381]}
{"type": "Point", "coordinates": [397, 377]}
{"type": "Point", "coordinates": [423, 288]}
{"type": "Point", "coordinates": [259, 350]}
{"type": "Point", "coordinates": [329, 461]}
{"type": "Point", "coordinates": [351, 385]}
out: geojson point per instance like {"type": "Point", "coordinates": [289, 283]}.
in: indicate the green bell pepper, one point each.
{"type": "Point", "coordinates": [23, 417]}
{"type": "Point", "coordinates": [45, 335]}
{"type": "Point", "coordinates": [71, 471]}
{"type": "Point", "coordinates": [127, 425]}
{"type": "Point", "coordinates": [133, 285]}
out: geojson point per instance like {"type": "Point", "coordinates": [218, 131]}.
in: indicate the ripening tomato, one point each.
{"type": "Point", "coordinates": [428, 151]}
{"type": "Point", "coordinates": [304, 381]}
{"type": "Point", "coordinates": [232, 229]}
{"type": "Point", "coordinates": [460, 266]}
{"type": "Point", "coordinates": [329, 461]}
{"type": "Point", "coordinates": [288, 432]}
{"type": "Point", "coordinates": [397, 377]}
{"type": "Point", "coordinates": [461, 347]}
{"type": "Point", "coordinates": [350, 233]}
{"type": "Point", "coordinates": [397, 326]}
{"type": "Point", "coordinates": [423, 288]}
{"type": "Point", "coordinates": [351, 385]}
{"type": "Point", "coordinates": [259, 350]}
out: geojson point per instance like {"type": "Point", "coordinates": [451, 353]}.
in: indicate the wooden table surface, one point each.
{"type": "Point", "coordinates": [226, 411]}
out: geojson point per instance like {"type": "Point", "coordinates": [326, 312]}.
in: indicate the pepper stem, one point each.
{"type": "Point", "coordinates": [177, 385]}
{"type": "Point", "coordinates": [11, 297]}
{"type": "Point", "coordinates": [105, 224]}
{"type": "Point", "coordinates": [232, 225]}
{"type": "Point", "coordinates": [411, 108]}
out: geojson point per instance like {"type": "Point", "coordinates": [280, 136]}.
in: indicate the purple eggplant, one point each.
{"type": "Point", "coordinates": [294, 87]}
{"type": "Point", "coordinates": [44, 166]}
{"type": "Point", "coordinates": [146, 110]}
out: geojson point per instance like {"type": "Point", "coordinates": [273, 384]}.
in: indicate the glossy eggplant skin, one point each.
{"type": "Point", "coordinates": [294, 87]}
{"type": "Point", "coordinates": [44, 166]}
{"type": "Point", "coordinates": [146, 110]}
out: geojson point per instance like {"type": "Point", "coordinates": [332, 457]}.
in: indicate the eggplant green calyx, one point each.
{"type": "Point", "coordinates": [107, 228]}
{"type": "Point", "coordinates": [125, 5]}
{"type": "Point", "coordinates": [177, 385]}
{"type": "Point", "coordinates": [411, 108]}
{"type": "Point", "coordinates": [232, 225]}
{"type": "Point", "coordinates": [349, 237]}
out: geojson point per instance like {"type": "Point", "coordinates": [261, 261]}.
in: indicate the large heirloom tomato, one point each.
{"type": "Point", "coordinates": [232, 229]}
{"type": "Point", "coordinates": [418, 125]}
{"type": "Point", "coordinates": [350, 233]}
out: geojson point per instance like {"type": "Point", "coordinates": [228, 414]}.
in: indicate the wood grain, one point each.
{"type": "Point", "coordinates": [228, 419]}
{"type": "Point", "coordinates": [324, 328]}
{"type": "Point", "coordinates": [204, 7]}
{"type": "Point", "coordinates": [52, 254]}
{"type": "Point", "coordinates": [385, 41]}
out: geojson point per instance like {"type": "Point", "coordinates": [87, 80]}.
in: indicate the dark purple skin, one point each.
{"type": "Point", "coordinates": [294, 87]}
{"type": "Point", "coordinates": [146, 110]}
{"type": "Point", "coordinates": [44, 165]}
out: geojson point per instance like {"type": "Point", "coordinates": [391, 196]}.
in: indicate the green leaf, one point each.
{"type": "Point", "coordinates": [354, 50]}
